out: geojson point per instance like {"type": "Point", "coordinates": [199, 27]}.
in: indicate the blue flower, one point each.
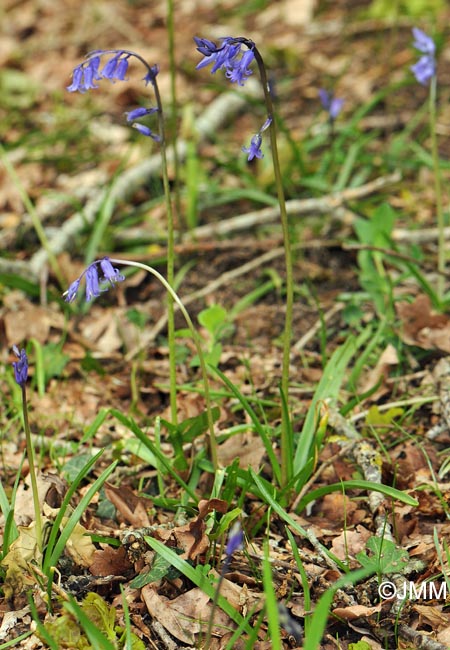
{"type": "Point", "coordinates": [116, 68]}
{"type": "Point", "coordinates": [84, 76]}
{"type": "Point", "coordinates": [145, 130]}
{"type": "Point", "coordinates": [239, 72]}
{"type": "Point", "coordinates": [423, 42]}
{"type": "Point", "coordinates": [110, 274]}
{"type": "Point", "coordinates": [226, 56]}
{"type": "Point", "coordinates": [235, 540]}
{"type": "Point", "coordinates": [139, 112]}
{"type": "Point", "coordinates": [92, 286]}
{"type": "Point", "coordinates": [333, 105]}
{"type": "Point", "coordinates": [92, 279]}
{"type": "Point", "coordinates": [425, 68]}
{"type": "Point", "coordinates": [254, 150]}
{"type": "Point", "coordinates": [20, 366]}
{"type": "Point", "coordinates": [151, 75]}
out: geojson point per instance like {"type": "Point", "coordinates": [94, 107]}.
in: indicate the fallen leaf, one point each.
{"type": "Point", "coordinates": [422, 326]}
{"type": "Point", "coordinates": [132, 508]}
{"type": "Point", "coordinates": [110, 561]}
{"type": "Point", "coordinates": [159, 608]}
{"type": "Point", "coordinates": [79, 546]}
{"type": "Point", "coordinates": [356, 611]}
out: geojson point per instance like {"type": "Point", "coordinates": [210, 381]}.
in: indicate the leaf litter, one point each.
{"type": "Point", "coordinates": [76, 394]}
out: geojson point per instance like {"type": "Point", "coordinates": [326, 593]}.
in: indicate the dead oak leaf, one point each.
{"type": "Point", "coordinates": [191, 537]}
{"type": "Point", "coordinates": [159, 608]}
{"type": "Point", "coordinates": [110, 561]}
{"type": "Point", "coordinates": [132, 508]}
{"type": "Point", "coordinates": [422, 326]}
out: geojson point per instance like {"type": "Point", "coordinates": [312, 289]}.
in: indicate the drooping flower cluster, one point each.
{"type": "Point", "coordinates": [231, 57]}
{"type": "Point", "coordinates": [333, 105]}
{"type": "Point", "coordinates": [228, 56]}
{"type": "Point", "coordinates": [93, 280]}
{"type": "Point", "coordinates": [87, 73]}
{"type": "Point", "coordinates": [425, 68]}
{"type": "Point", "coordinates": [20, 366]}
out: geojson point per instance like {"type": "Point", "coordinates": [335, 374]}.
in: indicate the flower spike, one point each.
{"type": "Point", "coordinates": [93, 281]}
{"type": "Point", "coordinates": [20, 366]}
{"type": "Point", "coordinates": [425, 68]}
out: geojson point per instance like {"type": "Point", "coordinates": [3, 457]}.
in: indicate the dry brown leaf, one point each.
{"type": "Point", "coordinates": [110, 561]}
{"type": "Point", "coordinates": [132, 508]}
{"type": "Point", "coordinates": [103, 331]}
{"type": "Point", "coordinates": [195, 605]}
{"type": "Point", "coordinates": [356, 611]}
{"type": "Point", "coordinates": [444, 637]}
{"type": "Point", "coordinates": [25, 321]}
{"type": "Point", "coordinates": [422, 326]}
{"type": "Point", "coordinates": [350, 542]}
{"type": "Point", "coordinates": [159, 608]}
{"type": "Point", "coordinates": [79, 545]}
{"type": "Point", "coordinates": [24, 506]}
{"type": "Point", "coordinates": [387, 360]}
{"type": "Point", "coordinates": [433, 616]}
{"type": "Point", "coordinates": [248, 447]}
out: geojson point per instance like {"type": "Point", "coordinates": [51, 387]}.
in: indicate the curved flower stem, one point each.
{"type": "Point", "coordinates": [30, 456]}
{"type": "Point", "coordinates": [286, 455]}
{"type": "Point", "coordinates": [170, 228]}
{"type": "Point", "coordinates": [175, 299]}
{"type": "Point", "coordinates": [438, 191]}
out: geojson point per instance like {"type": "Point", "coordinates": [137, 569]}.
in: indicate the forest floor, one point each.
{"type": "Point", "coordinates": [362, 204]}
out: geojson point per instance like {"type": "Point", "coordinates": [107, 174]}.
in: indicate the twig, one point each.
{"type": "Point", "coordinates": [420, 640]}
{"type": "Point", "coordinates": [295, 207]}
{"type": "Point", "coordinates": [306, 338]}
{"type": "Point", "coordinates": [221, 109]}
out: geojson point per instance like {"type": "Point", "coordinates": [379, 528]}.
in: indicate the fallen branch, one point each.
{"type": "Point", "coordinates": [295, 208]}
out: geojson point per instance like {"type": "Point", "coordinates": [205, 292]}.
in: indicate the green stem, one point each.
{"type": "Point", "coordinates": [32, 466]}
{"type": "Point", "coordinates": [175, 299]}
{"type": "Point", "coordinates": [170, 261]}
{"type": "Point", "coordinates": [438, 191]}
{"type": "Point", "coordinates": [174, 105]}
{"type": "Point", "coordinates": [286, 460]}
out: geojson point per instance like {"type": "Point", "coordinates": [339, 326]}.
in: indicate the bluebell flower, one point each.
{"type": "Point", "coordinates": [85, 75]}
{"type": "Point", "coordinates": [423, 42]}
{"type": "Point", "coordinates": [333, 105]}
{"type": "Point", "coordinates": [151, 75]}
{"type": "Point", "coordinates": [92, 285]}
{"type": "Point", "coordinates": [227, 56]}
{"type": "Point", "coordinates": [93, 281]}
{"type": "Point", "coordinates": [254, 150]}
{"type": "Point", "coordinates": [139, 112]}
{"type": "Point", "coordinates": [145, 130]}
{"type": "Point", "coordinates": [20, 366]}
{"type": "Point", "coordinates": [109, 272]}
{"type": "Point", "coordinates": [239, 72]}
{"type": "Point", "coordinates": [235, 540]}
{"type": "Point", "coordinates": [425, 68]}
